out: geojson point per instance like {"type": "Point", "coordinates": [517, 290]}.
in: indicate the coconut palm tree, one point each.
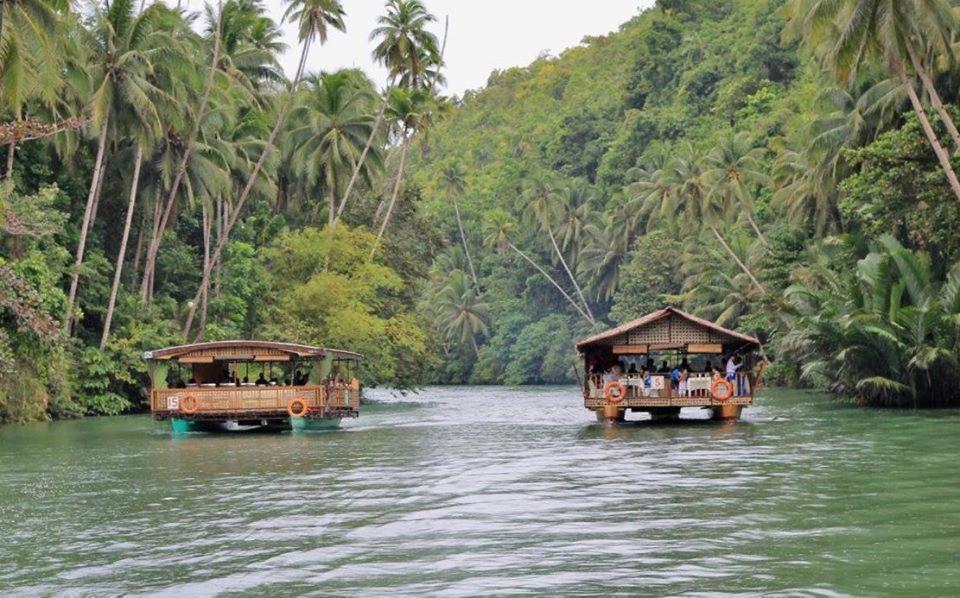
{"type": "Point", "coordinates": [455, 184]}
{"type": "Point", "coordinates": [734, 167]}
{"type": "Point", "coordinates": [848, 34]}
{"type": "Point", "coordinates": [29, 56]}
{"type": "Point", "coordinates": [573, 217]}
{"type": "Point", "coordinates": [499, 229]}
{"type": "Point", "coordinates": [699, 208]}
{"type": "Point", "coordinates": [127, 45]}
{"type": "Point", "coordinates": [411, 111]}
{"type": "Point", "coordinates": [403, 42]}
{"type": "Point", "coordinates": [542, 200]}
{"type": "Point", "coordinates": [329, 128]}
{"type": "Point", "coordinates": [314, 19]}
{"type": "Point", "coordinates": [460, 314]}
{"type": "Point", "coordinates": [186, 146]}
{"type": "Point", "coordinates": [409, 51]}
{"type": "Point", "coordinates": [604, 253]}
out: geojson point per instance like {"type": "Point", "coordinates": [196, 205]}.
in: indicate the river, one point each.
{"type": "Point", "coordinates": [465, 491]}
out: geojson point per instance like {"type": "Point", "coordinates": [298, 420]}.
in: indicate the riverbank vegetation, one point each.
{"type": "Point", "coordinates": [784, 168]}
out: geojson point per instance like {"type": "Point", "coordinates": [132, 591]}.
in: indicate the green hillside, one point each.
{"type": "Point", "coordinates": [700, 156]}
{"type": "Point", "coordinates": [581, 123]}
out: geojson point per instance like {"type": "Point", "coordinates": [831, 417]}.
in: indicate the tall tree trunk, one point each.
{"type": "Point", "coordinates": [131, 205]}
{"type": "Point", "coordinates": [363, 158]}
{"type": "Point", "coordinates": [575, 305]}
{"type": "Point", "coordinates": [756, 229]}
{"type": "Point", "coordinates": [220, 217]}
{"type": "Point", "coordinates": [85, 226]}
{"type": "Point", "coordinates": [570, 275]}
{"type": "Point", "coordinates": [941, 153]}
{"type": "Point", "coordinates": [206, 260]}
{"type": "Point", "coordinates": [146, 293]}
{"type": "Point", "coordinates": [138, 250]}
{"type": "Point", "coordinates": [11, 149]}
{"type": "Point", "coordinates": [251, 179]}
{"type": "Point", "coordinates": [393, 197]}
{"type": "Point", "coordinates": [737, 259]}
{"type": "Point", "coordinates": [466, 246]}
{"type": "Point", "coordinates": [934, 96]}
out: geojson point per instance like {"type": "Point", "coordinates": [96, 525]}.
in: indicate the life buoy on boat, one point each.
{"type": "Point", "coordinates": [298, 408]}
{"type": "Point", "coordinates": [614, 391]}
{"type": "Point", "coordinates": [189, 405]}
{"type": "Point", "coordinates": [722, 390]}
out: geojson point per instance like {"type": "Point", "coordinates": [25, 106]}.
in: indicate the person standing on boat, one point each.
{"type": "Point", "coordinates": [733, 364]}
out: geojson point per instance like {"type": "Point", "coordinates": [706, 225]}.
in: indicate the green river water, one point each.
{"type": "Point", "coordinates": [466, 491]}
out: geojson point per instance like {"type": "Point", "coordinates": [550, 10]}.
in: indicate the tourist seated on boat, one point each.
{"type": "Point", "coordinates": [274, 381]}
{"type": "Point", "coordinates": [613, 374]}
{"type": "Point", "coordinates": [708, 368]}
{"type": "Point", "coordinates": [246, 381]}
{"type": "Point", "coordinates": [633, 369]}
{"type": "Point", "coordinates": [649, 367]}
{"type": "Point", "coordinates": [179, 383]}
{"type": "Point", "coordinates": [664, 368]}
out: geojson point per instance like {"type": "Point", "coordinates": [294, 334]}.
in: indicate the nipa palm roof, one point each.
{"type": "Point", "coordinates": [610, 335]}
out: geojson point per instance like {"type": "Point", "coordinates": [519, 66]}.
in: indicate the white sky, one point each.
{"type": "Point", "coordinates": [484, 34]}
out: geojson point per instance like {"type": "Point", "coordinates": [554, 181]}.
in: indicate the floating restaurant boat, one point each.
{"type": "Point", "coordinates": [243, 385]}
{"type": "Point", "coordinates": [624, 367]}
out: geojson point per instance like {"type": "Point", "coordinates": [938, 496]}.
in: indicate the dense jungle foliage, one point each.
{"type": "Point", "coordinates": [783, 168]}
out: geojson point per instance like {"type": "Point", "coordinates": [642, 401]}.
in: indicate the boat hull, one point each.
{"type": "Point", "coordinates": [230, 426]}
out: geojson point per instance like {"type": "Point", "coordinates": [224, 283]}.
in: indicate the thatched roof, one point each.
{"type": "Point", "coordinates": [230, 349]}
{"type": "Point", "coordinates": [609, 336]}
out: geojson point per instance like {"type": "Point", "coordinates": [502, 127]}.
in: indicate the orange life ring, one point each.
{"type": "Point", "coordinates": [614, 391]}
{"type": "Point", "coordinates": [298, 408]}
{"type": "Point", "coordinates": [189, 405]}
{"type": "Point", "coordinates": [722, 390]}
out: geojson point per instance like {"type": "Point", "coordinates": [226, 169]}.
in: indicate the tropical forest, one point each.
{"type": "Point", "coordinates": [786, 169]}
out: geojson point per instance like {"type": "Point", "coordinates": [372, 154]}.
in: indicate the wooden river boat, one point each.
{"type": "Point", "coordinates": [243, 385]}
{"type": "Point", "coordinates": [675, 337]}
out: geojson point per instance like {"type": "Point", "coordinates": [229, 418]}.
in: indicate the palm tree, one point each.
{"type": "Point", "coordinates": [29, 57]}
{"type": "Point", "coordinates": [314, 18]}
{"type": "Point", "coordinates": [573, 217]}
{"type": "Point", "coordinates": [734, 167]}
{"type": "Point", "coordinates": [408, 51]}
{"type": "Point", "coordinates": [605, 253]}
{"type": "Point", "coordinates": [330, 126]}
{"type": "Point", "coordinates": [542, 199]}
{"type": "Point", "coordinates": [127, 44]}
{"type": "Point", "coordinates": [198, 114]}
{"type": "Point", "coordinates": [499, 228]}
{"type": "Point", "coordinates": [848, 34]}
{"type": "Point", "coordinates": [411, 112]}
{"type": "Point", "coordinates": [885, 333]}
{"type": "Point", "coordinates": [699, 208]}
{"type": "Point", "coordinates": [460, 314]}
{"type": "Point", "coordinates": [403, 41]}
{"type": "Point", "coordinates": [455, 184]}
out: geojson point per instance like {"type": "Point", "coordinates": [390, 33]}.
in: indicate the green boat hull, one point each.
{"type": "Point", "coordinates": [297, 424]}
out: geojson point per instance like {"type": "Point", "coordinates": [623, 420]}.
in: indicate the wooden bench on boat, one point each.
{"type": "Point", "coordinates": [673, 335]}
{"type": "Point", "coordinates": [213, 385]}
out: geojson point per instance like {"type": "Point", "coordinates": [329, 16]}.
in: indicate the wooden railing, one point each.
{"type": "Point", "coordinates": [638, 395]}
{"type": "Point", "coordinates": [255, 399]}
